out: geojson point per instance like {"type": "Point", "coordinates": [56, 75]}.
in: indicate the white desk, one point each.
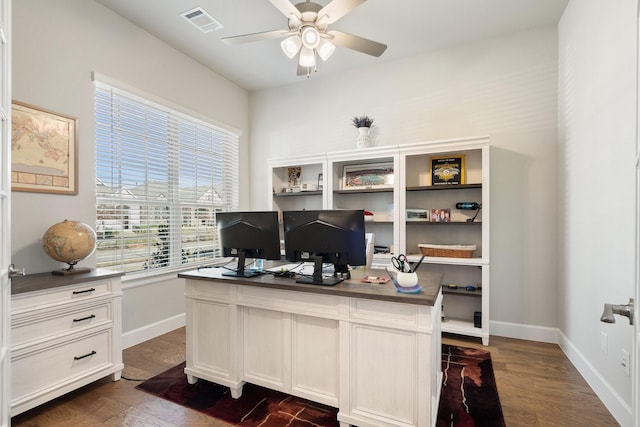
{"type": "Point", "coordinates": [365, 349]}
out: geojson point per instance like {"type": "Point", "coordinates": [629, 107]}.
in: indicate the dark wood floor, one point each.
{"type": "Point", "coordinates": [537, 386]}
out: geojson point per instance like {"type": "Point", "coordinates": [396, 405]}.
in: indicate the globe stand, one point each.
{"type": "Point", "coordinates": [71, 270]}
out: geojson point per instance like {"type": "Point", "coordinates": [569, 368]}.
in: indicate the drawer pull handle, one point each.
{"type": "Point", "coordinates": [84, 292]}
{"type": "Point", "coordinates": [93, 316]}
{"type": "Point", "coordinates": [86, 355]}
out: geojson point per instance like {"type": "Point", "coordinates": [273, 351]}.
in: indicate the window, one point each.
{"type": "Point", "coordinates": [160, 178]}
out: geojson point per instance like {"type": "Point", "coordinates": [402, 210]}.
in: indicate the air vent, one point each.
{"type": "Point", "coordinates": [201, 20]}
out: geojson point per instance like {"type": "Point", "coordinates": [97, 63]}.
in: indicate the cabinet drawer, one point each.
{"type": "Point", "coordinates": [53, 296]}
{"type": "Point", "coordinates": [42, 369]}
{"type": "Point", "coordinates": [43, 324]}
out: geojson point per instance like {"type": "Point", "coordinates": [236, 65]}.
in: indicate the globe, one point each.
{"type": "Point", "coordinates": [71, 242]}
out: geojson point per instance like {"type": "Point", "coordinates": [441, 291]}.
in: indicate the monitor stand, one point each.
{"type": "Point", "coordinates": [317, 278]}
{"type": "Point", "coordinates": [240, 271]}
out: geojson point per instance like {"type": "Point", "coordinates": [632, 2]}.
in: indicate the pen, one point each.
{"type": "Point", "coordinates": [418, 264]}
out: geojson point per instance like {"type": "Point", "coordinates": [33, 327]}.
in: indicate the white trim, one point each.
{"type": "Point", "coordinates": [620, 409]}
{"type": "Point", "coordinates": [525, 332]}
{"type": "Point", "coordinates": [98, 78]}
{"type": "Point", "coordinates": [145, 333]}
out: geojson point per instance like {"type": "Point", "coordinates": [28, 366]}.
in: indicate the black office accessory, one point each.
{"type": "Point", "coordinates": [325, 236]}
{"type": "Point", "coordinates": [248, 235]}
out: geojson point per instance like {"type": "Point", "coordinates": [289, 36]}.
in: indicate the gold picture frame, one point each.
{"type": "Point", "coordinates": [44, 146]}
{"type": "Point", "coordinates": [448, 170]}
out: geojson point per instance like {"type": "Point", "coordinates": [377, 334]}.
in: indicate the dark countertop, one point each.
{"type": "Point", "coordinates": [39, 281]}
{"type": "Point", "coordinates": [430, 283]}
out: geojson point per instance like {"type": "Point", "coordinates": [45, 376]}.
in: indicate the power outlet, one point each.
{"type": "Point", "coordinates": [624, 361]}
{"type": "Point", "coordinates": [604, 345]}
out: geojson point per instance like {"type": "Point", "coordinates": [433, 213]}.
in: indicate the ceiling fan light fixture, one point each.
{"type": "Point", "coordinates": [307, 57]}
{"type": "Point", "coordinates": [325, 49]}
{"type": "Point", "coordinates": [310, 37]}
{"type": "Point", "coordinates": [291, 45]}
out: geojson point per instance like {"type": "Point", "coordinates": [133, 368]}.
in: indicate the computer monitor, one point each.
{"type": "Point", "coordinates": [248, 235]}
{"type": "Point", "coordinates": [325, 236]}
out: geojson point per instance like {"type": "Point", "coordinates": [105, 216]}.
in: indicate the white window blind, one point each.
{"type": "Point", "coordinates": [160, 177]}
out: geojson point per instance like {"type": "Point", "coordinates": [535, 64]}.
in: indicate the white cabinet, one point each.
{"type": "Point", "coordinates": [466, 312]}
{"type": "Point", "coordinates": [65, 333]}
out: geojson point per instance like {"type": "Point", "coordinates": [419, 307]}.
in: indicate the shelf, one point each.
{"type": "Point", "coordinates": [475, 261]}
{"type": "Point", "coordinates": [443, 187]}
{"type": "Point", "coordinates": [365, 190]}
{"type": "Point", "coordinates": [461, 327]}
{"type": "Point", "coordinates": [461, 291]}
{"type": "Point", "coordinates": [298, 193]}
{"type": "Point", "coordinates": [426, 222]}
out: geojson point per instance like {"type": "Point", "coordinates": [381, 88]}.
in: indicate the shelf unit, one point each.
{"type": "Point", "coordinates": [411, 189]}
{"type": "Point", "coordinates": [419, 193]}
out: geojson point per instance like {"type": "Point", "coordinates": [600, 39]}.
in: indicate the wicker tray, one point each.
{"type": "Point", "coordinates": [451, 251]}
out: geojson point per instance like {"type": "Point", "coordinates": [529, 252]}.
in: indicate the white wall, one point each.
{"type": "Point", "coordinates": [506, 88]}
{"type": "Point", "coordinates": [597, 85]}
{"type": "Point", "coordinates": [56, 47]}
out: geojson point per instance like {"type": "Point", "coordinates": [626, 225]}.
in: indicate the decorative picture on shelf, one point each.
{"type": "Point", "coordinates": [320, 181]}
{"type": "Point", "coordinates": [447, 170]}
{"type": "Point", "coordinates": [367, 176]}
{"type": "Point", "coordinates": [43, 150]}
{"type": "Point", "coordinates": [441, 215]}
{"type": "Point", "coordinates": [294, 174]}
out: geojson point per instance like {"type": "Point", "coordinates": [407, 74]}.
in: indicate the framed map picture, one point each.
{"type": "Point", "coordinates": [447, 170]}
{"type": "Point", "coordinates": [43, 150]}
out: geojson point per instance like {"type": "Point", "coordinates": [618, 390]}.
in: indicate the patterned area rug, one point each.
{"type": "Point", "coordinates": [469, 396]}
{"type": "Point", "coordinates": [258, 406]}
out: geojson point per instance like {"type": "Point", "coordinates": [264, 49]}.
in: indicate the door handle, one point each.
{"type": "Point", "coordinates": [623, 310]}
{"type": "Point", "coordinates": [14, 272]}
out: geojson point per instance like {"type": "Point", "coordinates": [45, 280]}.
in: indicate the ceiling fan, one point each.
{"type": "Point", "coordinates": [308, 34]}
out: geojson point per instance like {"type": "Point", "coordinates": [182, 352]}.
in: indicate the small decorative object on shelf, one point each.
{"type": "Point", "coordinates": [452, 251]}
{"type": "Point", "coordinates": [69, 242]}
{"type": "Point", "coordinates": [363, 124]}
{"type": "Point", "coordinates": [367, 176]}
{"type": "Point", "coordinates": [441, 215]}
{"type": "Point", "coordinates": [470, 206]}
{"type": "Point", "coordinates": [447, 170]}
{"type": "Point", "coordinates": [294, 174]}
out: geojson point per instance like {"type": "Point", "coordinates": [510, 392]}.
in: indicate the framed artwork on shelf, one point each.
{"type": "Point", "coordinates": [320, 181]}
{"type": "Point", "coordinates": [367, 176]}
{"type": "Point", "coordinates": [44, 147]}
{"type": "Point", "coordinates": [294, 174]}
{"type": "Point", "coordinates": [441, 215]}
{"type": "Point", "coordinates": [448, 170]}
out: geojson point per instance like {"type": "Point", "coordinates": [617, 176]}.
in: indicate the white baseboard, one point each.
{"type": "Point", "coordinates": [131, 338]}
{"type": "Point", "coordinates": [620, 410]}
{"type": "Point", "coordinates": [524, 332]}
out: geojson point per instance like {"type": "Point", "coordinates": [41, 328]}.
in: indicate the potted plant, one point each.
{"type": "Point", "coordinates": [362, 121]}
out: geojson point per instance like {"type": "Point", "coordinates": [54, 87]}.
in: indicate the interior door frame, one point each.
{"type": "Point", "coordinates": [635, 392]}
{"type": "Point", "coordinates": [5, 211]}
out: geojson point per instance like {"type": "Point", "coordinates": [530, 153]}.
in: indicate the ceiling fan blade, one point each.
{"type": "Point", "coordinates": [254, 37]}
{"type": "Point", "coordinates": [337, 9]}
{"type": "Point", "coordinates": [357, 43]}
{"type": "Point", "coordinates": [286, 7]}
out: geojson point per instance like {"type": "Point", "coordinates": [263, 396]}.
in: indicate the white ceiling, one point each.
{"type": "Point", "coordinates": [408, 27]}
